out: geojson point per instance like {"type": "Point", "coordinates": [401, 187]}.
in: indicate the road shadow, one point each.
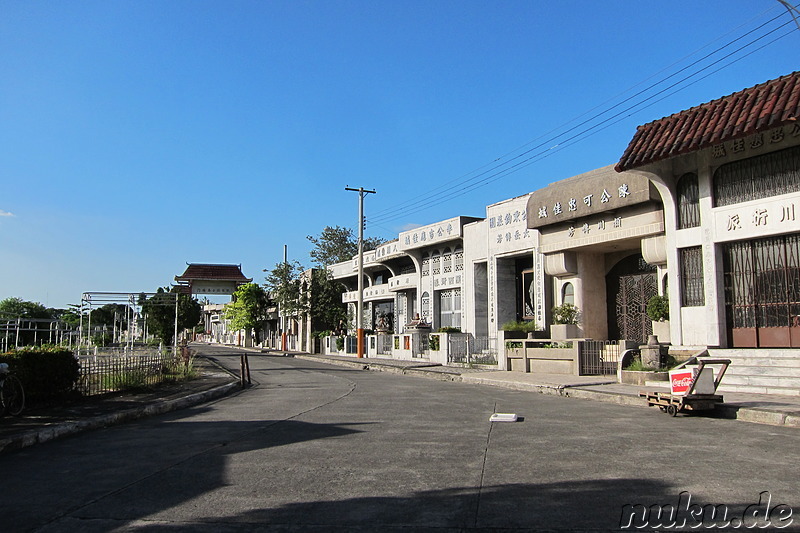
{"type": "Point", "coordinates": [558, 506]}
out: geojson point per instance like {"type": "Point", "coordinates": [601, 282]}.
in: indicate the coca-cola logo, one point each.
{"type": "Point", "coordinates": [685, 381]}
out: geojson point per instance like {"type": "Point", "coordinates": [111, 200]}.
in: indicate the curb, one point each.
{"type": "Point", "coordinates": [65, 429]}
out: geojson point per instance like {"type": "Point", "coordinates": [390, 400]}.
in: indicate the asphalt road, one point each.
{"type": "Point", "coordinates": [326, 448]}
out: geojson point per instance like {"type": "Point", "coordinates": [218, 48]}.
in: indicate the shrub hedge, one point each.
{"type": "Point", "coordinates": [47, 372]}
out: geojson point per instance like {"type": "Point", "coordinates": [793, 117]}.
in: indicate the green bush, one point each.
{"type": "Point", "coordinates": [340, 343]}
{"type": "Point", "coordinates": [516, 325]}
{"type": "Point", "coordinates": [434, 342]}
{"type": "Point", "coordinates": [448, 329]}
{"type": "Point", "coordinates": [565, 314]}
{"type": "Point", "coordinates": [46, 372]}
{"type": "Point", "coordinates": [658, 308]}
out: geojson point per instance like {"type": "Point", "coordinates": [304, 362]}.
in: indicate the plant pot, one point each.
{"type": "Point", "coordinates": [563, 332]}
{"type": "Point", "coordinates": [640, 377]}
{"type": "Point", "coordinates": [661, 330]}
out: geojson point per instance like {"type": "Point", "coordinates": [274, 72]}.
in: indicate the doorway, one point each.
{"type": "Point", "coordinates": [629, 286]}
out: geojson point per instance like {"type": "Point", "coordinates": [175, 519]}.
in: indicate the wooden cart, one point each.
{"type": "Point", "coordinates": [673, 404]}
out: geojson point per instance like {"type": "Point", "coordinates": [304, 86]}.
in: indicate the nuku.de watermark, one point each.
{"type": "Point", "coordinates": [686, 514]}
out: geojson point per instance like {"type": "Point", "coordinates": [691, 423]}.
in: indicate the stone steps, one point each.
{"type": "Point", "coordinates": [764, 371]}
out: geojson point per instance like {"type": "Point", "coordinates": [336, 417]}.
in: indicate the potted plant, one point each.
{"type": "Point", "coordinates": [658, 311]}
{"type": "Point", "coordinates": [565, 322]}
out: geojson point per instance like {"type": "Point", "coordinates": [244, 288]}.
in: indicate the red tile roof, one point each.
{"type": "Point", "coordinates": [757, 109]}
{"type": "Point", "coordinates": [196, 271]}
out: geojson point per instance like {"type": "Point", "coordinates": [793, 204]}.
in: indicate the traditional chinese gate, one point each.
{"type": "Point", "coordinates": [630, 285]}
{"type": "Point", "coordinates": [762, 292]}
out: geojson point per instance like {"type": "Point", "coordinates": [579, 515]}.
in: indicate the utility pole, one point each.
{"type": "Point", "coordinates": [360, 307]}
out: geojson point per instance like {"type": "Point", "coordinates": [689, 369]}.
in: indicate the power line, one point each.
{"type": "Point", "coordinates": [587, 132]}
{"type": "Point", "coordinates": [503, 169]}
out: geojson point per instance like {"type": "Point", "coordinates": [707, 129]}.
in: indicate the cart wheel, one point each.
{"type": "Point", "coordinates": [672, 410]}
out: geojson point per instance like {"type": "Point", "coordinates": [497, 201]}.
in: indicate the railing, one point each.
{"type": "Point", "coordinates": [598, 358]}
{"type": "Point", "coordinates": [107, 373]}
{"type": "Point", "coordinates": [467, 349]}
{"type": "Point", "coordinates": [105, 351]}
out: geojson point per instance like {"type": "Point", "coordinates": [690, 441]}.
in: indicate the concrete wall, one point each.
{"type": "Point", "coordinates": [590, 295]}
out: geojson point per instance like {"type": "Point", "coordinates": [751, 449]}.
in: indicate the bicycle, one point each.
{"type": "Point", "coordinates": [12, 395]}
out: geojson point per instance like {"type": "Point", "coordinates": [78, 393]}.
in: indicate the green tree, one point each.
{"type": "Point", "coordinates": [19, 308]}
{"type": "Point", "coordinates": [71, 317]}
{"type": "Point", "coordinates": [285, 287]}
{"type": "Point", "coordinates": [248, 310]}
{"type": "Point", "coordinates": [13, 308]}
{"type": "Point", "coordinates": [328, 311]}
{"type": "Point", "coordinates": [336, 245]}
{"type": "Point", "coordinates": [160, 311]}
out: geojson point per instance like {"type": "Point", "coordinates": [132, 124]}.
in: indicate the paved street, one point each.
{"type": "Point", "coordinates": [313, 446]}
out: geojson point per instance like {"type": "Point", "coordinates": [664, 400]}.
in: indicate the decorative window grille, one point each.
{"type": "Point", "coordinates": [458, 260]}
{"type": "Point", "coordinates": [447, 261]}
{"type": "Point", "coordinates": [692, 286]}
{"type": "Point", "coordinates": [688, 202]}
{"type": "Point", "coordinates": [759, 177]}
{"type": "Point", "coordinates": [425, 303]}
{"type": "Point", "coordinates": [436, 261]}
{"type": "Point", "coordinates": [426, 265]}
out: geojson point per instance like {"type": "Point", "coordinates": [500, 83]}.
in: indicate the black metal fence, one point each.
{"type": "Point", "coordinates": [598, 358]}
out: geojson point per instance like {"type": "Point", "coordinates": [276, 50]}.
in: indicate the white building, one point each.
{"type": "Point", "coordinates": [703, 207]}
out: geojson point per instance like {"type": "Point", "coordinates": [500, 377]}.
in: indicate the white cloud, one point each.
{"type": "Point", "coordinates": [5, 214]}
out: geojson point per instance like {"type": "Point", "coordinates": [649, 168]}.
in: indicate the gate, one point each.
{"type": "Point", "coordinates": [467, 349]}
{"type": "Point", "coordinates": [630, 285]}
{"type": "Point", "coordinates": [598, 358]}
{"type": "Point", "coordinates": [420, 345]}
{"type": "Point", "coordinates": [384, 345]}
{"type": "Point", "coordinates": [632, 320]}
{"type": "Point", "coordinates": [762, 292]}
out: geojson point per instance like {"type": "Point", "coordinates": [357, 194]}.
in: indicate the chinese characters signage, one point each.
{"type": "Point", "coordinates": [509, 225]}
{"type": "Point", "coordinates": [758, 219]}
{"type": "Point", "coordinates": [427, 235]}
{"type": "Point", "coordinates": [750, 145]}
{"type": "Point", "coordinates": [593, 193]}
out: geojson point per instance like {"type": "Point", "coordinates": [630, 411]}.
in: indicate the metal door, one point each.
{"type": "Point", "coordinates": [630, 285]}
{"type": "Point", "coordinates": [635, 291]}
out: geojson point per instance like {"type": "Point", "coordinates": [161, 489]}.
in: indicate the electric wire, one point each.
{"type": "Point", "coordinates": [504, 169]}
{"type": "Point", "coordinates": [557, 128]}
{"type": "Point", "coordinates": [580, 135]}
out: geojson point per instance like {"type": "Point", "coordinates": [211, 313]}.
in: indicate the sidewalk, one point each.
{"type": "Point", "coordinates": [772, 409]}
{"type": "Point", "coordinates": [41, 424]}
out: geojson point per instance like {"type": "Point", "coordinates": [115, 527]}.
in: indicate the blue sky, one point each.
{"type": "Point", "coordinates": [137, 136]}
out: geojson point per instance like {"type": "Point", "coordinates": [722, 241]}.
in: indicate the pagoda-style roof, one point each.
{"type": "Point", "coordinates": [766, 106]}
{"type": "Point", "coordinates": [206, 272]}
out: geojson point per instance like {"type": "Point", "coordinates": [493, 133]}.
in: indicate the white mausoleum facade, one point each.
{"type": "Point", "coordinates": [703, 208]}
